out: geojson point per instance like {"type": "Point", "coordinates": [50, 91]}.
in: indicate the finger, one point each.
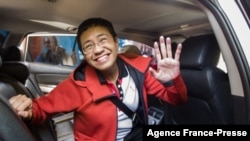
{"type": "Point", "coordinates": [157, 52]}
{"type": "Point", "coordinates": [178, 52]}
{"type": "Point", "coordinates": [15, 100]}
{"type": "Point", "coordinates": [25, 105]}
{"type": "Point", "coordinates": [26, 115]}
{"type": "Point", "coordinates": [169, 48]}
{"type": "Point", "coordinates": [23, 114]}
{"type": "Point", "coordinates": [20, 102]}
{"type": "Point", "coordinates": [163, 47]}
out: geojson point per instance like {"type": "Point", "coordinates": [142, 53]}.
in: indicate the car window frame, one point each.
{"type": "Point", "coordinates": [24, 46]}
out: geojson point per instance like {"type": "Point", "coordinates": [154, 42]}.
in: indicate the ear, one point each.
{"type": "Point", "coordinates": [117, 42]}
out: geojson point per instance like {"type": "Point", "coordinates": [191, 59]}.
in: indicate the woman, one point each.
{"type": "Point", "coordinates": [104, 74]}
{"type": "Point", "coordinates": [55, 54]}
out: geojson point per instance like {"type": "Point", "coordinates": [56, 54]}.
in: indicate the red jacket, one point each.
{"type": "Point", "coordinates": [95, 117]}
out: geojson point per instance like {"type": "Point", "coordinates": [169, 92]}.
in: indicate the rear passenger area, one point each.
{"type": "Point", "coordinates": [13, 76]}
{"type": "Point", "coordinates": [16, 78]}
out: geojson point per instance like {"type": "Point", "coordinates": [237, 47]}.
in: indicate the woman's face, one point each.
{"type": "Point", "coordinates": [36, 45]}
{"type": "Point", "coordinates": [49, 43]}
{"type": "Point", "coordinates": [99, 48]}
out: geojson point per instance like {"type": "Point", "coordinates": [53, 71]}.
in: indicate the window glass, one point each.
{"type": "Point", "coordinates": [61, 49]}
{"type": "Point", "coordinates": [55, 49]}
{"type": "Point", "coordinates": [144, 49]}
{"type": "Point", "coordinates": [3, 35]}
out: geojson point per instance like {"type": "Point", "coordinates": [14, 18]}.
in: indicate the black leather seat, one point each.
{"type": "Point", "coordinates": [12, 127]}
{"type": "Point", "coordinates": [13, 76]}
{"type": "Point", "coordinates": [209, 95]}
{"type": "Point", "coordinates": [11, 53]}
{"type": "Point", "coordinates": [12, 58]}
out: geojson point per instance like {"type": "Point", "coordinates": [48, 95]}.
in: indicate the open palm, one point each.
{"type": "Point", "coordinates": [168, 66]}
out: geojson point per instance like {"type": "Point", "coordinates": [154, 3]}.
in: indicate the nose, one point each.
{"type": "Point", "coordinates": [98, 48]}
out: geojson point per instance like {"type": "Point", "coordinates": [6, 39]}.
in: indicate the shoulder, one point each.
{"type": "Point", "coordinates": [61, 50]}
{"type": "Point", "coordinates": [40, 57]}
{"type": "Point", "coordinates": [137, 61]}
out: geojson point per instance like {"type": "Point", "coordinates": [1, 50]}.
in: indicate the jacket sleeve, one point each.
{"type": "Point", "coordinates": [64, 98]}
{"type": "Point", "coordinates": [174, 93]}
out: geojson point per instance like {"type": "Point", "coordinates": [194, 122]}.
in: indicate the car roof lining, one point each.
{"type": "Point", "coordinates": [135, 23]}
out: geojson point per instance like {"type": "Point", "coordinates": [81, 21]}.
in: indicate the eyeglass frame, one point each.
{"type": "Point", "coordinates": [103, 39]}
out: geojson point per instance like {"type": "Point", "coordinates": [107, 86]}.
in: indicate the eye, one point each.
{"type": "Point", "coordinates": [88, 46]}
{"type": "Point", "coordinates": [103, 40]}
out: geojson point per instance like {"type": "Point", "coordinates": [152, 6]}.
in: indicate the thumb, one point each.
{"type": "Point", "coordinates": [152, 71]}
{"type": "Point", "coordinates": [24, 114]}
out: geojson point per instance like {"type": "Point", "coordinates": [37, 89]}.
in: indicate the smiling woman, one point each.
{"type": "Point", "coordinates": [146, 20]}
{"type": "Point", "coordinates": [118, 77]}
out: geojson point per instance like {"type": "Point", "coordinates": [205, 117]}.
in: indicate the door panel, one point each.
{"type": "Point", "coordinates": [46, 77]}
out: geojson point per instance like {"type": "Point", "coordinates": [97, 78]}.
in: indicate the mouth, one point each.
{"type": "Point", "coordinates": [102, 59]}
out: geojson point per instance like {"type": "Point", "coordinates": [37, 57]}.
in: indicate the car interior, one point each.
{"type": "Point", "coordinates": [209, 88]}
{"type": "Point", "coordinates": [215, 91]}
{"type": "Point", "coordinates": [198, 63]}
{"type": "Point", "coordinates": [13, 79]}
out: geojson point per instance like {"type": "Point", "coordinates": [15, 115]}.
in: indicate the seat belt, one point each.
{"type": "Point", "coordinates": [135, 118]}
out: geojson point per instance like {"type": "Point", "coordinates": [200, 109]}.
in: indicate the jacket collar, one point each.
{"type": "Point", "coordinates": [87, 76]}
{"type": "Point", "coordinates": [122, 72]}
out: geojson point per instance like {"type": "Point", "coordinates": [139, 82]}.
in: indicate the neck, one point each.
{"type": "Point", "coordinates": [112, 75]}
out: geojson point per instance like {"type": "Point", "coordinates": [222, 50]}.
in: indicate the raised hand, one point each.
{"type": "Point", "coordinates": [168, 66]}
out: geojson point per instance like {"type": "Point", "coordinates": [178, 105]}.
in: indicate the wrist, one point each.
{"type": "Point", "coordinates": [168, 83]}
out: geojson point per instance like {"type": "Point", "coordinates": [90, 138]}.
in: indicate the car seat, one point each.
{"type": "Point", "coordinates": [13, 76]}
{"type": "Point", "coordinates": [12, 127]}
{"type": "Point", "coordinates": [209, 95]}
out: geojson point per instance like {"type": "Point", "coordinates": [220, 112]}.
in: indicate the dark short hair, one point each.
{"type": "Point", "coordinates": [93, 22]}
{"type": "Point", "coordinates": [53, 38]}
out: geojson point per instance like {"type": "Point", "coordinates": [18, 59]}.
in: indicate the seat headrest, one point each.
{"type": "Point", "coordinates": [199, 51]}
{"type": "Point", "coordinates": [130, 49]}
{"type": "Point", "coordinates": [18, 70]}
{"type": "Point", "coordinates": [11, 53]}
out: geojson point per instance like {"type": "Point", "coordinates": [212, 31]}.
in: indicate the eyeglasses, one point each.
{"type": "Point", "coordinates": [89, 47]}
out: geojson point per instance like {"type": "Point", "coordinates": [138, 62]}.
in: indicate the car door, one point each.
{"type": "Point", "coordinates": [51, 57]}
{"type": "Point", "coordinates": [49, 67]}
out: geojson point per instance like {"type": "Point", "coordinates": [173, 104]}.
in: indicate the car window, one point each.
{"type": "Point", "coordinates": [55, 49]}
{"type": "Point", "coordinates": [144, 49]}
{"type": "Point", "coordinates": [62, 49]}
{"type": "Point", "coordinates": [3, 35]}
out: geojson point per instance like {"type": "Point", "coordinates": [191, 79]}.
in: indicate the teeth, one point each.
{"type": "Point", "coordinates": [101, 59]}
